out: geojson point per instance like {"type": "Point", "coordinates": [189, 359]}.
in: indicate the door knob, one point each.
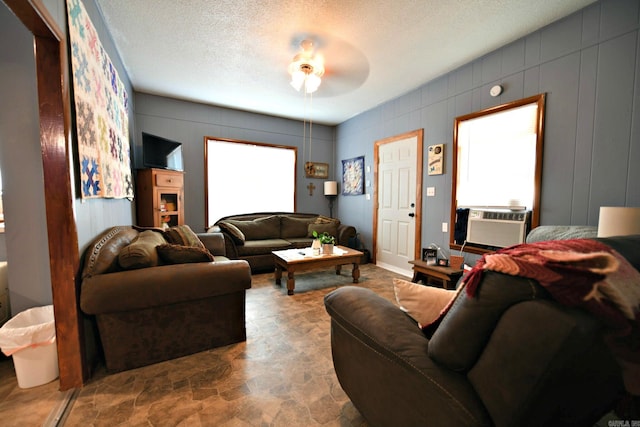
{"type": "Point", "coordinates": [412, 214]}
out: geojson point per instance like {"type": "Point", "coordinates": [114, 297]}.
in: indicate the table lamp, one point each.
{"type": "Point", "coordinates": [618, 221]}
{"type": "Point", "coordinates": [331, 192]}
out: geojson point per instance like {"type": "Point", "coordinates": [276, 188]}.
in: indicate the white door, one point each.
{"type": "Point", "coordinates": [397, 202]}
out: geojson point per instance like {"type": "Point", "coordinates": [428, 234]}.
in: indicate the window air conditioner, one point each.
{"type": "Point", "coordinates": [497, 228]}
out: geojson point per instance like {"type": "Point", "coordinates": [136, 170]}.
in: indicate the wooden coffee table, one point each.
{"type": "Point", "coordinates": [293, 260]}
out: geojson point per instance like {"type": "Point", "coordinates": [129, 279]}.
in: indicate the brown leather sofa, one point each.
{"type": "Point", "coordinates": [150, 314]}
{"type": "Point", "coordinates": [254, 236]}
{"type": "Point", "coordinates": [511, 357]}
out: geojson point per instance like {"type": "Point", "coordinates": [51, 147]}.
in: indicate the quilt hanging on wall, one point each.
{"type": "Point", "coordinates": [353, 176]}
{"type": "Point", "coordinates": [102, 120]}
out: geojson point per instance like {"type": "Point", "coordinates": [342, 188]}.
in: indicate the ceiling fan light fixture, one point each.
{"type": "Point", "coordinates": [306, 69]}
{"type": "Point", "coordinates": [312, 83]}
{"type": "Point", "coordinates": [297, 79]}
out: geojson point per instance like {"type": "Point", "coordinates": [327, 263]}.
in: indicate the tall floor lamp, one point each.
{"type": "Point", "coordinates": [331, 192]}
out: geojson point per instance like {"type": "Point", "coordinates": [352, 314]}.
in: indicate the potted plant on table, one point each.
{"type": "Point", "coordinates": [326, 240]}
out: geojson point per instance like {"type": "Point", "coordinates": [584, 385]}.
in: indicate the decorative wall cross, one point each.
{"type": "Point", "coordinates": [311, 187]}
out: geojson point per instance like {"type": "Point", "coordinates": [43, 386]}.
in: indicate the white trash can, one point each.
{"type": "Point", "coordinates": [30, 338]}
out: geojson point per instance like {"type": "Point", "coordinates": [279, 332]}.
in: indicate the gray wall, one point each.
{"type": "Point", "coordinates": [27, 251]}
{"type": "Point", "coordinates": [588, 66]}
{"type": "Point", "coordinates": [189, 123]}
{"type": "Point", "coordinates": [20, 158]}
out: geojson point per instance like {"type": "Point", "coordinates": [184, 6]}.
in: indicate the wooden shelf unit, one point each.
{"type": "Point", "coordinates": [160, 197]}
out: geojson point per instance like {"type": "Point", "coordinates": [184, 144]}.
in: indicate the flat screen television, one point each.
{"type": "Point", "coordinates": [158, 152]}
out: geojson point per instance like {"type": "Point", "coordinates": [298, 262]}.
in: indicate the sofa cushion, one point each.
{"type": "Point", "coordinates": [331, 228]}
{"type": "Point", "coordinates": [259, 228]}
{"type": "Point", "coordinates": [294, 227]}
{"type": "Point", "coordinates": [183, 235]}
{"type": "Point", "coordinates": [423, 303]}
{"type": "Point", "coordinates": [179, 254]}
{"type": "Point", "coordinates": [142, 251]}
{"type": "Point", "coordinates": [237, 236]}
{"type": "Point", "coordinates": [262, 247]}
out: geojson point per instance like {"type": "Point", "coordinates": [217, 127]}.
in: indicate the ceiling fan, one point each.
{"type": "Point", "coordinates": [346, 70]}
{"type": "Point", "coordinates": [307, 68]}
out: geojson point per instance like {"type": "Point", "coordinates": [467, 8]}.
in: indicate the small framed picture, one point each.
{"type": "Point", "coordinates": [429, 255]}
{"type": "Point", "coordinates": [435, 159]}
{"type": "Point", "coordinates": [316, 170]}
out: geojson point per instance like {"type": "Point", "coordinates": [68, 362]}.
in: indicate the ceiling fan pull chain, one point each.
{"type": "Point", "coordinates": [310, 122]}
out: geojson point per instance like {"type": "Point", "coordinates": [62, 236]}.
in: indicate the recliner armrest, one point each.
{"type": "Point", "coordinates": [380, 358]}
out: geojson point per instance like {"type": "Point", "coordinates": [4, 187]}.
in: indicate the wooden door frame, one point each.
{"type": "Point", "coordinates": [54, 107]}
{"type": "Point", "coordinates": [419, 134]}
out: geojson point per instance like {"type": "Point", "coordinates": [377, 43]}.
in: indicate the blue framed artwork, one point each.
{"type": "Point", "coordinates": [353, 176]}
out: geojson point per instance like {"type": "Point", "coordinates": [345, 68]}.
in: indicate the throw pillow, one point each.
{"type": "Point", "coordinates": [141, 252]}
{"type": "Point", "coordinates": [326, 220]}
{"type": "Point", "coordinates": [179, 254]}
{"type": "Point", "coordinates": [423, 303]}
{"type": "Point", "coordinates": [236, 235]}
{"type": "Point", "coordinates": [183, 235]}
{"type": "Point", "coordinates": [331, 228]}
{"type": "Point", "coordinates": [294, 227]}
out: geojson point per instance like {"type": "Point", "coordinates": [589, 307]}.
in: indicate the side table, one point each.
{"type": "Point", "coordinates": [444, 275]}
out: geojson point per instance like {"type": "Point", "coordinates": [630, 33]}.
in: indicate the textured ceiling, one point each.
{"type": "Point", "coordinates": [235, 53]}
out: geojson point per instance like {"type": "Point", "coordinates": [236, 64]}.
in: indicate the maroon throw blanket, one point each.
{"type": "Point", "coordinates": [580, 273]}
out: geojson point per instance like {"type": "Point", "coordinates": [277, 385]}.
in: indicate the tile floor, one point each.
{"type": "Point", "coordinates": [25, 407]}
{"type": "Point", "coordinates": [281, 376]}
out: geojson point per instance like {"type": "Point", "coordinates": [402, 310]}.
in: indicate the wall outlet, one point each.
{"type": "Point", "coordinates": [445, 227]}
{"type": "Point", "coordinates": [431, 191]}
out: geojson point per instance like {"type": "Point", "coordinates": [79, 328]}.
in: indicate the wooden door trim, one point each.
{"type": "Point", "coordinates": [54, 108]}
{"type": "Point", "coordinates": [419, 133]}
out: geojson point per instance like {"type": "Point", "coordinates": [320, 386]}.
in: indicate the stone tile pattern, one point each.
{"type": "Point", "coordinates": [24, 407]}
{"type": "Point", "coordinates": [281, 376]}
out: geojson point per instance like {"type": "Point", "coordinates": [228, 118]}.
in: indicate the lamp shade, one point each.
{"type": "Point", "coordinates": [618, 221]}
{"type": "Point", "coordinates": [330, 188]}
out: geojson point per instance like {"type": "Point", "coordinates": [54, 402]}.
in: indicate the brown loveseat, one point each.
{"type": "Point", "coordinates": [254, 236]}
{"type": "Point", "coordinates": [164, 304]}
{"type": "Point", "coordinates": [509, 356]}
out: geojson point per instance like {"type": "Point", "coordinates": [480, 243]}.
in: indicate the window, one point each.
{"type": "Point", "coordinates": [245, 177]}
{"type": "Point", "coordinates": [495, 166]}
{"type": "Point", "coordinates": [497, 160]}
